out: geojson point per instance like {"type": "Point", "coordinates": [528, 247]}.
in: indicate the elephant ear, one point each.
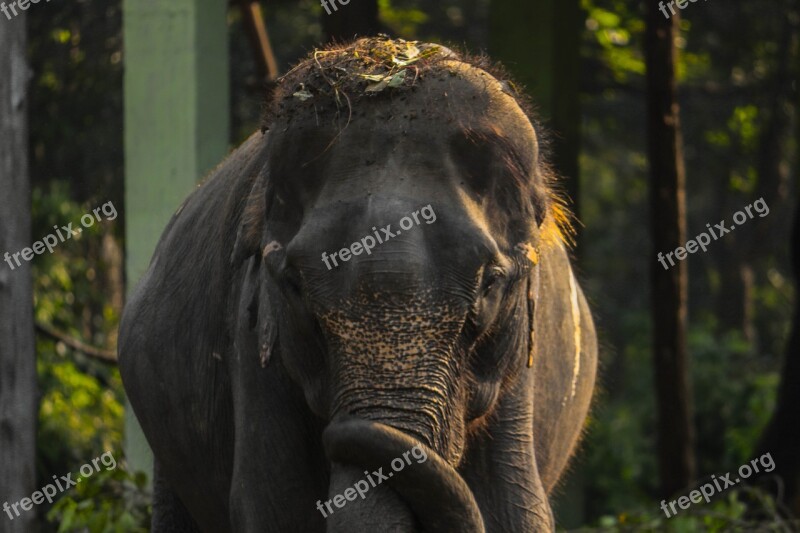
{"type": "Point", "coordinates": [533, 300]}
{"type": "Point", "coordinates": [252, 222]}
{"type": "Point", "coordinates": [265, 321]}
{"type": "Point", "coordinates": [257, 324]}
{"type": "Point", "coordinates": [257, 327]}
{"type": "Point", "coordinates": [533, 283]}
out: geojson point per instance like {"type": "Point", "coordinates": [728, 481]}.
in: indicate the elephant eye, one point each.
{"type": "Point", "coordinates": [292, 280]}
{"type": "Point", "coordinates": [492, 277]}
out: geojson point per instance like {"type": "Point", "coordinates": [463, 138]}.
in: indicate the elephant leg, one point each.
{"type": "Point", "coordinates": [169, 513]}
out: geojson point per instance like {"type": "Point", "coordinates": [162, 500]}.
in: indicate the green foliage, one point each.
{"type": "Point", "coordinates": [76, 96]}
{"type": "Point", "coordinates": [617, 32]}
{"type": "Point", "coordinates": [729, 62]}
{"type": "Point", "coordinates": [735, 395]}
{"type": "Point", "coordinates": [732, 511]}
{"type": "Point", "coordinates": [402, 21]}
{"type": "Point", "coordinates": [621, 436]}
{"type": "Point", "coordinates": [66, 281]}
{"type": "Point", "coordinates": [78, 414]}
{"type": "Point", "coordinates": [81, 406]}
{"type": "Point", "coordinates": [110, 501]}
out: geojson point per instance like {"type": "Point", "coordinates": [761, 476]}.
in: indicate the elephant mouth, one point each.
{"type": "Point", "coordinates": [422, 496]}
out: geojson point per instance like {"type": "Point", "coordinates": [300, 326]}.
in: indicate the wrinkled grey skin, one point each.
{"type": "Point", "coordinates": [265, 382]}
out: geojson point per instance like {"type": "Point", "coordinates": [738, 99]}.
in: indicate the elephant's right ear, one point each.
{"type": "Point", "coordinates": [251, 224]}
{"type": "Point", "coordinates": [257, 328]}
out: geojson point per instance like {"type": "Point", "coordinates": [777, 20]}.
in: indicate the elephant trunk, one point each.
{"type": "Point", "coordinates": [422, 496]}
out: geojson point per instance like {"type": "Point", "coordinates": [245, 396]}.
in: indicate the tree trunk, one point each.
{"type": "Point", "coordinates": [566, 109]}
{"type": "Point", "coordinates": [18, 406]}
{"type": "Point", "coordinates": [358, 18]}
{"type": "Point", "coordinates": [551, 28]}
{"type": "Point", "coordinates": [781, 439]}
{"type": "Point", "coordinates": [669, 286]}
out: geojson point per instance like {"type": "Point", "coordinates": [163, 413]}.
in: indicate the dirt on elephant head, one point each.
{"type": "Point", "coordinates": [338, 76]}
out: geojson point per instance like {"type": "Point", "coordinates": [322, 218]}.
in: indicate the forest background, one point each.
{"type": "Point", "coordinates": [737, 73]}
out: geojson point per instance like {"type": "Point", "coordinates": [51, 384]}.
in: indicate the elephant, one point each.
{"type": "Point", "coordinates": [278, 390]}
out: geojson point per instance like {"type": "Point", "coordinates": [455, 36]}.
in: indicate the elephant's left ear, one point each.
{"type": "Point", "coordinates": [251, 224]}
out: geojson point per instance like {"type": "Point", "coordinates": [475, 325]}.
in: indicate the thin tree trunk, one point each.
{"type": "Point", "coordinates": [781, 439]}
{"type": "Point", "coordinates": [569, 22]}
{"type": "Point", "coordinates": [18, 407]}
{"type": "Point", "coordinates": [551, 75]}
{"type": "Point", "coordinates": [669, 286]}
{"type": "Point", "coordinates": [253, 20]}
{"type": "Point", "coordinates": [358, 18]}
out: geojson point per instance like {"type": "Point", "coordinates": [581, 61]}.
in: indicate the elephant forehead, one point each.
{"type": "Point", "coordinates": [475, 96]}
{"type": "Point", "coordinates": [429, 133]}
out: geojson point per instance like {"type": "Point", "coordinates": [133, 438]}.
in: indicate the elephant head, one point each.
{"type": "Point", "coordinates": [394, 244]}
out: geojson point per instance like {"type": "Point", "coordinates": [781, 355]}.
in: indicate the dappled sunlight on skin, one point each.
{"type": "Point", "coordinates": [395, 361]}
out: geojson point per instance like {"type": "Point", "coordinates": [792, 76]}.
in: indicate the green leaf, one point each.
{"type": "Point", "coordinates": [66, 520]}
{"type": "Point", "coordinates": [373, 77]}
{"type": "Point", "coordinates": [398, 79]}
{"type": "Point", "coordinates": [378, 87]}
{"type": "Point", "coordinates": [303, 95]}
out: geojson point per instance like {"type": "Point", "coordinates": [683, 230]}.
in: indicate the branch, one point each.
{"type": "Point", "coordinates": [253, 20]}
{"type": "Point", "coordinates": [99, 354]}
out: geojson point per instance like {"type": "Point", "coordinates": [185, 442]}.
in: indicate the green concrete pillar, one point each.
{"type": "Point", "coordinates": [176, 128]}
